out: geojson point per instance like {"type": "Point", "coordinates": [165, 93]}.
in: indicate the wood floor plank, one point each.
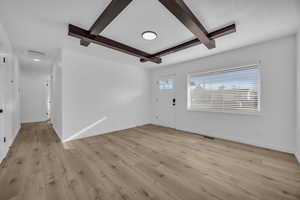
{"type": "Point", "coordinates": [191, 175]}
{"type": "Point", "coordinates": [12, 180]}
{"type": "Point", "coordinates": [144, 163]}
{"type": "Point", "coordinates": [235, 166]}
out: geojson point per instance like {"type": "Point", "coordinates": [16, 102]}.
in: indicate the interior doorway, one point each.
{"type": "Point", "coordinates": [35, 94]}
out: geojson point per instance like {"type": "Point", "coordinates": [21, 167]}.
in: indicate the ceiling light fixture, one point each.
{"type": "Point", "coordinates": [36, 60]}
{"type": "Point", "coordinates": [149, 35]}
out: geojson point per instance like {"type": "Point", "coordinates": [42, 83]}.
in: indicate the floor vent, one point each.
{"type": "Point", "coordinates": [35, 53]}
{"type": "Point", "coordinates": [208, 137]}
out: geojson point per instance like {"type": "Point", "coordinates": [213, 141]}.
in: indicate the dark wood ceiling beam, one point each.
{"type": "Point", "coordinates": [213, 35]}
{"type": "Point", "coordinates": [182, 12]}
{"type": "Point", "coordinates": [108, 15]}
{"type": "Point", "coordinates": [85, 35]}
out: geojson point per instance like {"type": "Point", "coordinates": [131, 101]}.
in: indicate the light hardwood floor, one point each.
{"type": "Point", "coordinates": [147, 162]}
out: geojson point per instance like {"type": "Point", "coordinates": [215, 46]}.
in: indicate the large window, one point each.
{"type": "Point", "coordinates": [233, 90]}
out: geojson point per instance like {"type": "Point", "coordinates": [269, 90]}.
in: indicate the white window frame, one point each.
{"type": "Point", "coordinates": [220, 70]}
{"type": "Point", "coordinates": [158, 82]}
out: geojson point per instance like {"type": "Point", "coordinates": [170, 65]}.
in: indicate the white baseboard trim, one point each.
{"type": "Point", "coordinates": [1, 159]}
{"type": "Point", "coordinates": [57, 132]}
{"type": "Point", "coordinates": [239, 140]}
{"type": "Point", "coordinates": [297, 155]}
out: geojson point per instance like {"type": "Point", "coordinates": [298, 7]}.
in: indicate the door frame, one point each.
{"type": "Point", "coordinates": [3, 136]}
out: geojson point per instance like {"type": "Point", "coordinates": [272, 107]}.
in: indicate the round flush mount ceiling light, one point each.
{"type": "Point", "coordinates": [149, 35]}
{"type": "Point", "coordinates": [36, 60]}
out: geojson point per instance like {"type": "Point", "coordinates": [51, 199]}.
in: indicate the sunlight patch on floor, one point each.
{"type": "Point", "coordinates": [79, 133]}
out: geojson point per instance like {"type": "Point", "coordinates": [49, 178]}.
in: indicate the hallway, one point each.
{"type": "Point", "coordinates": [148, 162]}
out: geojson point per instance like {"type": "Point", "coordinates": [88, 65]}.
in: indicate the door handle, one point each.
{"type": "Point", "coordinates": [174, 102]}
{"type": "Point", "coordinates": [1, 110]}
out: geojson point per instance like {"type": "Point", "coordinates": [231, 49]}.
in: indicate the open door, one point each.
{"type": "Point", "coordinates": [166, 101]}
{"type": "Point", "coordinates": [3, 77]}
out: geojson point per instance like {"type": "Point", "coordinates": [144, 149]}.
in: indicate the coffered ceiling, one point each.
{"type": "Point", "coordinates": [42, 25]}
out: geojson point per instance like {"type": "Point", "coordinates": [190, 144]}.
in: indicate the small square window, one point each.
{"type": "Point", "coordinates": [166, 84]}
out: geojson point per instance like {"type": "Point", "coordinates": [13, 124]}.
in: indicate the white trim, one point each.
{"type": "Point", "coordinates": [297, 155]}
{"type": "Point", "coordinates": [167, 75]}
{"type": "Point", "coordinates": [59, 134]}
{"type": "Point", "coordinates": [225, 69]}
{"type": "Point", "coordinates": [222, 70]}
{"type": "Point", "coordinates": [238, 112]}
{"type": "Point", "coordinates": [242, 141]}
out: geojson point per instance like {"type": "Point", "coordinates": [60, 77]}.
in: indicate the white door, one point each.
{"type": "Point", "coordinates": [3, 76]}
{"type": "Point", "coordinates": [166, 101]}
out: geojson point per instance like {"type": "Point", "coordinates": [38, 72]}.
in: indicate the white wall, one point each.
{"type": "Point", "coordinates": [298, 97]}
{"type": "Point", "coordinates": [10, 90]}
{"type": "Point", "coordinates": [34, 94]}
{"type": "Point", "coordinates": [56, 100]}
{"type": "Point", "coordinates": [101, 96]}
{"type": "Point", "coordinates": [12, 100]}
{"type": "Point", "coordinates": [275, 128]}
